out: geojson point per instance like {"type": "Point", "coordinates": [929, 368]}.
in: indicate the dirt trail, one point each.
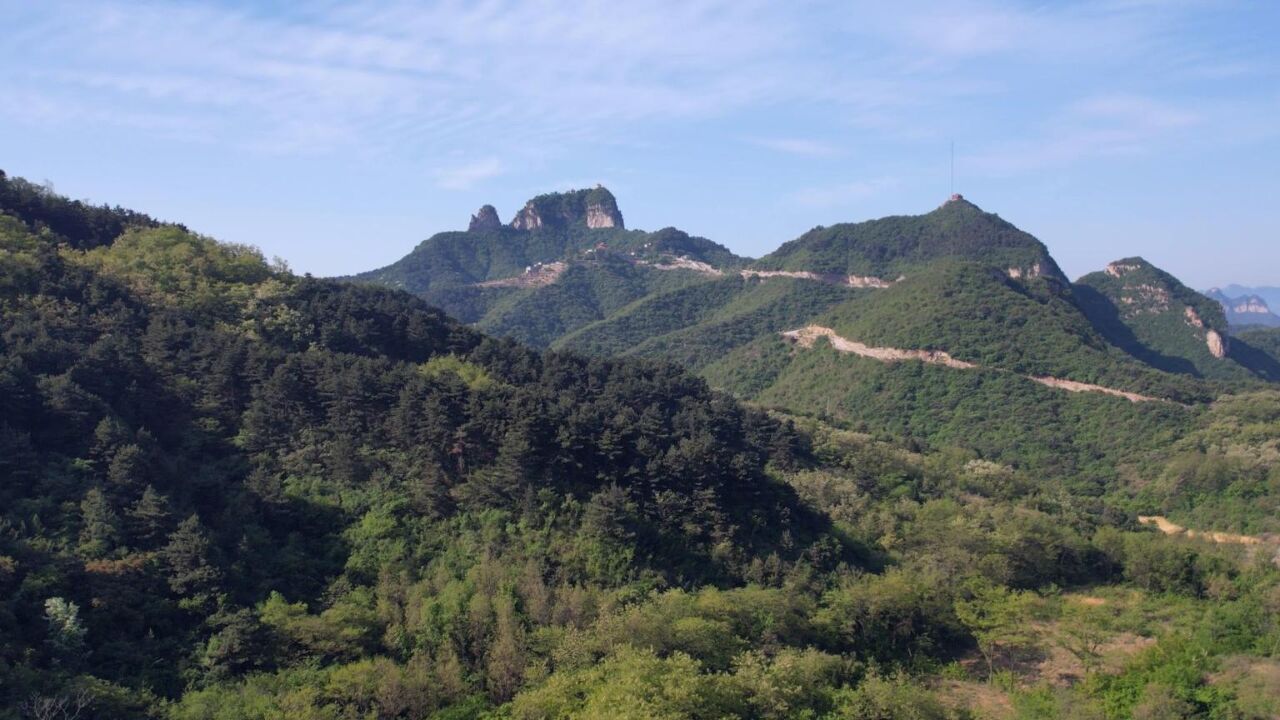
{"type": "Point", "coordinates": [1169, 528]}
{"type": "Point", "coordinates": [854, 281]}
{"type": "Point", "coordinates": [806, 336]}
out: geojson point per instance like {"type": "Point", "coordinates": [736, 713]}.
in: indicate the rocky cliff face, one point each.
{"type": "Point", "coordinates": [1245, 310]}
{"type": "Point", "coordinates": [486, 218]}
{"type": "Point", "coordinates": [595, 208]}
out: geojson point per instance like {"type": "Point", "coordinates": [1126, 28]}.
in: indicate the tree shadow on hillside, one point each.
{"type": "Point", "coordinates": [1259, 362]}
{"type": "Point", "coordinates": [1105, 316]}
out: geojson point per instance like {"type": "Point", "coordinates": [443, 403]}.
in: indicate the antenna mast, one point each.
{"type": "Point", "coordinates": [953, 167]}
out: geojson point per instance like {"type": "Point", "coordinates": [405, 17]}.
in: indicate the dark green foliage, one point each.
{"type": "Point", "coordinates": [584, 294]}
{"type": "Point", "coordinates": [185, 437]}
{"type": "Point", "coordinates": [1152, 316]}
{"type": "Point", "coordinates": [899, 245]}
{"type": "Point", "coordinates": [74, 222]}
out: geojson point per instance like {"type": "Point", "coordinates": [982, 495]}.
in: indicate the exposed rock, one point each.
{"type": "Point", "coordinates": [599, 217]}
{"type": "Point", "coordinates": [528, 218]}
{"type": "Point", "coordinates": [1118, 269]}
{"type": "Point", "coordinates": [596, 208]}
{"type": "Point", "coordinates": [1035, 271]}
{"type": "Point", "coordinates": [486, 218]}
{"type": "Point", "coordinates": [1193, 317]}
{"type": "Point", "coordinates": [1217, 344]}
{"type": "Point", "coordinates": [683, 263]}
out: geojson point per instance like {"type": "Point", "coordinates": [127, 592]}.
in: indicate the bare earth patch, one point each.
{"type": "Point", "coordinates": [534, 276]}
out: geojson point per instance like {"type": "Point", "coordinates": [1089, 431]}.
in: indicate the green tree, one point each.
{"type": "Point", "coordinates": [191, 572]}
{"type": "Point", "coordinates": [997, 617]}
{"type": "Point", "coordinates": [99, 525]}
{"type": "Point", "coordinates": [149, 518]}
{"type": "Point", "coordinates": [66, 637]}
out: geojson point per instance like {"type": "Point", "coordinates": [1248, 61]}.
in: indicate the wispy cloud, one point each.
{"type": "Point", "coordinates": [517, 79]}
{"type": "Point", "coordinates": [1096, 127]}
{"type": "Point", "coordinates": [464, 177]}
{"type": "Point", "coordinates": [798, 146]}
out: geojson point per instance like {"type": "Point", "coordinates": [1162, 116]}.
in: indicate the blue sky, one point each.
{"type": "Point", "coordinates": [339, 134]}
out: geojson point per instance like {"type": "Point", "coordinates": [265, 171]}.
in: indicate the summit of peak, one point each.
{"type": "Point", "coordinates": [594, 207]}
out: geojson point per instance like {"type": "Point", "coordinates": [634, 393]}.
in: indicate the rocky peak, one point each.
{"type": "Point", "coordinates": [1120, 268]}
{"type": "Point", "coordinates": [595, 208]}
{"type": "Point", "coordinates": [486, 218]}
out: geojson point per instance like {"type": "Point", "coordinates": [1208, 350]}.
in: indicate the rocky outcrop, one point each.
{"type": "Point", "coordinates": [486, 218]}
{"type": "Point", "coordinates": [1213, 339]}
{"type": "Point", "coordinates": [806, 336]}
{"type": "Point", "coordinates": [1017, 273]}
{"type": "Point", "coordinates": [1218, 345]}
{"type": "Point", "coordinates": [598, 216]}
{"type": "Point", "coordinates": [596, 208]}
{"type": "Point", "coordinates": [1121, 268]}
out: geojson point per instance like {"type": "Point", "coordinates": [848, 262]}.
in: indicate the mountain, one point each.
{"type": "Point", "coordinates": [1245, 310]}
{"type": "Point", "coordinates": [232, 492]}
{"type": "Point", "coordinates": [564, 261]}
{"type": "Point", "coordinates": [1157, 319]}
{"type": "Point", "coordinates": [962, 289]}
{"type": "Point", "coordinates": [1270, 295]}
{"type": "Point", "coordinates": [893, 247]}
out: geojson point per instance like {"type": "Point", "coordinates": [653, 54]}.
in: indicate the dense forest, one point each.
{"type": "Point", "coordinates": [232, 492]}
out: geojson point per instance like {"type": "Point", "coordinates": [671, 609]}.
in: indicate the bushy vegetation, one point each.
{"type": "Point", "coordinates": [230, 492]}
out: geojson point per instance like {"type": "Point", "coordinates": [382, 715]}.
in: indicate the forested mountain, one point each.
{"type": "Point", "coordinates": [230, 492]}
{"type": "Point", "coordinates": [1166, 324]}
{"type": "Point", "coordinates": [957, 285]}
{"type": "Point", "coordinates": [892, 247]}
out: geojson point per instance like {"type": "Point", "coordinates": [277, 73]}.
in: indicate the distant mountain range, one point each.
{"type": "Point", "coordinates": [1246, 306]}
{"type": "Point", "coordinates": [951, 327]}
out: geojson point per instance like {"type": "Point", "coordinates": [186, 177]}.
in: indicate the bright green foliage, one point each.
{"type": "Point", "coordinates": [66, 632]}
{"type": "Point", "coordinates": [998, 618]}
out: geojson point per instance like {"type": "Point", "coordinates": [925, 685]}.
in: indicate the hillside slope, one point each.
{"type": "Point", "coordinates": [1154, 317]}
{"type": "Point", "coordinates": [197, 448]}
{"type": "Point", "coordinates": [891, 247]}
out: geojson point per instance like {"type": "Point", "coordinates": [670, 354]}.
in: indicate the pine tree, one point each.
{"type": "Point", "coordinates": [99, 525]}
{"type": "Point", "coordinates": [192, 574]}
{"type": "Point", "coordinates": [149, 518]}
{"type": "Point", "coordinates": [127, 468]}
